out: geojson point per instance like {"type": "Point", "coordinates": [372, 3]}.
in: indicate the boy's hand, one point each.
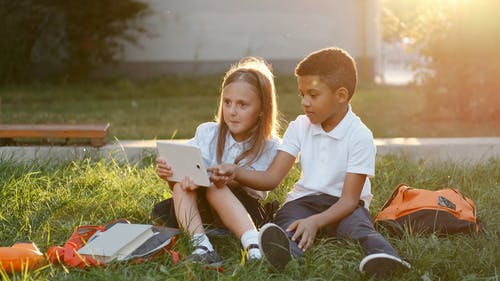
{"type": "Point", "coordinates": [163, 170]}
{"type": "Point", "coordinates": [222, 174]}
{"type": "Point", "coordinates": [305, 229]}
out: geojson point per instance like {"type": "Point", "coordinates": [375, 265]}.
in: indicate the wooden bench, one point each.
{"type": "Point", "coordinates": [96, 133]}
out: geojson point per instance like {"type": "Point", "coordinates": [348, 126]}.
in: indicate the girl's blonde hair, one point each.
{"type": "Point", "coordinates": [258, 74]}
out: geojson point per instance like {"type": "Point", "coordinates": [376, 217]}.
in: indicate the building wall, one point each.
{"type": "Point", "coordinates": [201, 36]}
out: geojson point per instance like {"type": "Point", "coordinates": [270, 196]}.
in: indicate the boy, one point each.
{"type": "Point", "coordinates": [337, 155]}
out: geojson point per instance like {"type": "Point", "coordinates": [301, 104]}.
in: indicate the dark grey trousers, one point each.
{"type": "Point", "coordinates": [357, 226]}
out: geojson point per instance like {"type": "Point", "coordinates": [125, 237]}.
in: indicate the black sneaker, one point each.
{"type": "Point", "coordinates": [275, 245]}
{"type": "Point", "coordinates": [382, 265]}
{"type": "Point", "coordinates": [210, 258]}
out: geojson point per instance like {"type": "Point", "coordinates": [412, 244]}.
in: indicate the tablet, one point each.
{"type": "Point", "coordinates": [185, 160]}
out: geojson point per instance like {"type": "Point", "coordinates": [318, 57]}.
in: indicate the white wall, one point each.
{"type": "Point", "coordinates": [207, 32]}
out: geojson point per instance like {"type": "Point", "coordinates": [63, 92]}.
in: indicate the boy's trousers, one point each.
{"type": "Point", "coordinates": [357, 226]}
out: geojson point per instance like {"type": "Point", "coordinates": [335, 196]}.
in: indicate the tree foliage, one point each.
{"type": "Point", "coordinates": [460, 43]}
{"type": "Point", "coordinates": [59, 39]}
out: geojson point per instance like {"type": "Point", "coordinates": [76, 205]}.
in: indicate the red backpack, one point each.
{"type": "Point", "coordinates": [68, 253]}
{"type": "Point", "coordinates": [444, 211]}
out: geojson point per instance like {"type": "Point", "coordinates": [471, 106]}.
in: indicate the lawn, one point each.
{"type": "Point", "coordinates": [44, 203]}
{"type": "Point", "coordinates": [171, 107]}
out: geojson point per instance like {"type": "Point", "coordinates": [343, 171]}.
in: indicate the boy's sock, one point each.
{"type": "Point", "coordinates": [201, 243]}
{"type": "Point", "coordinates": [249, 238]}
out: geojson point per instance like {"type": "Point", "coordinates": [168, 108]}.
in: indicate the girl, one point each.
{"type": "Point", "coordinates": [244, 134]}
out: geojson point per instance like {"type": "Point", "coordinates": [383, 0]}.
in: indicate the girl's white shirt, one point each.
{"type": "Point", "coordinates": [206, 139]}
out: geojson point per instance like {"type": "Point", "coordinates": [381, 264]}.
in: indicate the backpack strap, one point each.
{"type": "Point", "coordinates": [68, 253]}
{"type": "Point", "coordinates": [395, 193]}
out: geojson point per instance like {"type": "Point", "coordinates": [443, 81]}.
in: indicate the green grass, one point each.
{"type": "Point", "coordinates": [172, 107]}
{"type": "Point", "coordinates": [44, 203]}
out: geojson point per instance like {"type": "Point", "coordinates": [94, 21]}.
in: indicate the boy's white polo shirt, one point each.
{"type": "Point", "coordinates": [326, 157]}
{"type": "Point", "coordinates": [206, 139]}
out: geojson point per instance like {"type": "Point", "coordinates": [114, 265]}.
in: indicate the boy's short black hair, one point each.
{"type": "Point", "coordinates": [334, 66]}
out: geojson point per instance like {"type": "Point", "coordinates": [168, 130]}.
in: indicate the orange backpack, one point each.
{"type": "Point", "coordinates": [444, 211]}
{"type": "Point", "coordinates": [68, 253]}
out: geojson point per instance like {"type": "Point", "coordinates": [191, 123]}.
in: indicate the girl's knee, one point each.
{"type": "Point", "coordinates": [211, 192]}
{"type": "Point", "coordinates": [179, 192]}
{"type": "Point", "coordinates": [215, 193]}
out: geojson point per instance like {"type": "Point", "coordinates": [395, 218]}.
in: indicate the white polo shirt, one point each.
{"type": "Point", "coordinates": [206, 139]}
{"type": "Point", "coordinates": [326, 157]}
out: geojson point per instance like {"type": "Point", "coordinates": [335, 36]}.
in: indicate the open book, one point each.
{"type": "Point", "coordinates": [118, 242]}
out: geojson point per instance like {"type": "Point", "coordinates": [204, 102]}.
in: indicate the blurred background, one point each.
{"type": "Point", "coordinates": [152, 68]}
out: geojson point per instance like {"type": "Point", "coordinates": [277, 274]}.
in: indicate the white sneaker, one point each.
{"type": "Point", "coordinates": [253, 252]}
{"type": "Point", "coordinates": [381, 264]}
{"type": "Point", "coordinates": [275, 245]}
{"type": "Point", "coordinates": [204, 256]}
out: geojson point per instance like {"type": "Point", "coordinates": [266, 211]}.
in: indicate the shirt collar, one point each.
{"type": "Point", "coordinates": [340, 130]}
{"type": "Point", "coordinates": [230, 142]}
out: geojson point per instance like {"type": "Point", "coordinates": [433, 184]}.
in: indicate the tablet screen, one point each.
{"type": "Point", "coordinates": [185, 160]}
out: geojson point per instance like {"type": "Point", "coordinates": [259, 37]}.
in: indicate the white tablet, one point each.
{"type": "Point", "coordinates": [185, 160]}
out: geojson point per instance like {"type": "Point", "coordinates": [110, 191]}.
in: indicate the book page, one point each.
{"type": "Point", "coordinates": [124, 252]}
